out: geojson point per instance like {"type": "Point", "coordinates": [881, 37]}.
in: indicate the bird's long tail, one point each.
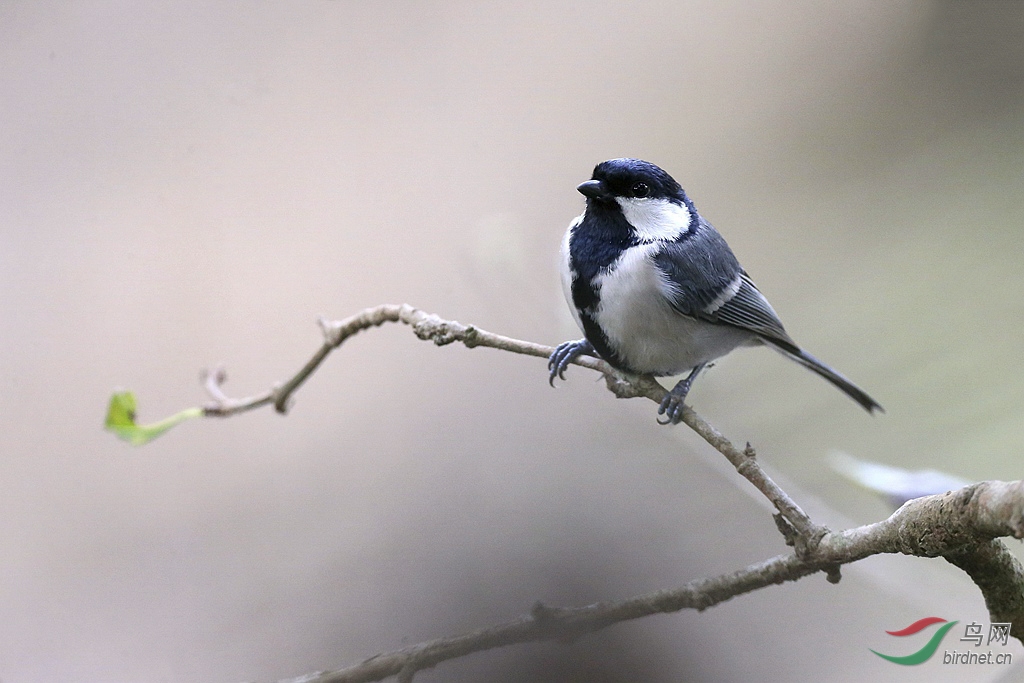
{"type": "Point", "coordinates": [846, 386]}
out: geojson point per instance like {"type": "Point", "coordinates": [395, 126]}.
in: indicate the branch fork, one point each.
{"type": "Point", "coordinates": [962, 526]}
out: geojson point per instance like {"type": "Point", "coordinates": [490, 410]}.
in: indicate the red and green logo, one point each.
{"type": "Point", "coordinates": [929, 648]}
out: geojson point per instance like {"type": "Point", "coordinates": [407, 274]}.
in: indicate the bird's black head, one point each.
{"type": "Point", "coordinates": [631, 178]}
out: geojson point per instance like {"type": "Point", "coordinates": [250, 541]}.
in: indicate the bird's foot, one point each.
{"type": "Point", "coordinates": [672, 405]}
{"type": "Point", "coordinates": [565, 353]}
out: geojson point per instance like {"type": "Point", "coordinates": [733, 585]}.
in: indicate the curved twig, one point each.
{"type": "Point", "coordinates": [960, 526]}
{"type": "Point", "coordinates": [442, 332]}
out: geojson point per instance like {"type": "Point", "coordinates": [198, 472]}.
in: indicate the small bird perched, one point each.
{"type": "Point", "coordinates": [657, 291]}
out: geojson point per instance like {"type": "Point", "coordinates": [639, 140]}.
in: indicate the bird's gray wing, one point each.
{"type": "Point", "coordinates": [704, 280]}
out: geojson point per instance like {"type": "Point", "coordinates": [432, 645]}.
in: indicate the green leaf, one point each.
{"type": "Point", "coordinates": [121, 420]}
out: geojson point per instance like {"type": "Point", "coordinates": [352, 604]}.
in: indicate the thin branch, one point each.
{"type": "Point", "coordinates": [963, 524]}
{"type": "Point", "coordinates": [224, 406]}
{"type": "Point", "coordinates": [429, 327]}
{"type": "Point", "coordinates": [960, 526]}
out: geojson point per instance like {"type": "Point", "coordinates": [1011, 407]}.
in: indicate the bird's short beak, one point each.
{"type": "Point", "coordinates": [594, 189]}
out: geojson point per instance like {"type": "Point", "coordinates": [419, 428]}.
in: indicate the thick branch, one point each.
{"type": "Point", "coordinates": [961, 524]}
{"type": "Point", "coordinates": [1001, 579]}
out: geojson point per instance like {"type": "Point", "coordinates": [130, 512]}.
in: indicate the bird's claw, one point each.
{"type": "Point", "coordinates": [672, 406]}
{"type": "Point", "coordinates": [565, 353]}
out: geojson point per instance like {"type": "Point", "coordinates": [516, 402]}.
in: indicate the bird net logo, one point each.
{"type": "Point", "coordinates": [973, 634]}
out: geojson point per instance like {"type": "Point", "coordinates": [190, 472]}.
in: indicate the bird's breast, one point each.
{"type": "Point", "coordinates": [643, 328]}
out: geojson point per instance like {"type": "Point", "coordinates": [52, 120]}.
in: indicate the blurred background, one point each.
{"type": "Point", "coordinates": [187, 184]}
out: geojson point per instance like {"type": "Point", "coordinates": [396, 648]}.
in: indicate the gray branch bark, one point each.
{"type": "Point", "coordinates": [961, 526]}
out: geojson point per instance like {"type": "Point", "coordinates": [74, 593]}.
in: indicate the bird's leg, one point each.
{"type": "Point", "coordinates": [564, 354]}
{"type": "Point", "coordinates": [672, 405]}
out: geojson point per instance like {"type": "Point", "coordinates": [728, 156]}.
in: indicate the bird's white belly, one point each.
{"type": "Point", "coordinates": [644, 329]}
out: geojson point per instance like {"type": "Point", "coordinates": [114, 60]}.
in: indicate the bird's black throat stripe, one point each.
{"type": "Point", "coordinates": [595, 335]}
{"type": "Point", "coordinates": [595, 245]}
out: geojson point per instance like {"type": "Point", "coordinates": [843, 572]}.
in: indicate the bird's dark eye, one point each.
{"type": "Point", "coordinates": [641, 190]}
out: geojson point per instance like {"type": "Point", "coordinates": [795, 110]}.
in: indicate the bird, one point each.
{"type": "Point", "coordinates": [656, 290]}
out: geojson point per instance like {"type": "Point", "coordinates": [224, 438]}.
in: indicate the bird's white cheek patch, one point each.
{"type": "Point", "coordinates": [655, 219]}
